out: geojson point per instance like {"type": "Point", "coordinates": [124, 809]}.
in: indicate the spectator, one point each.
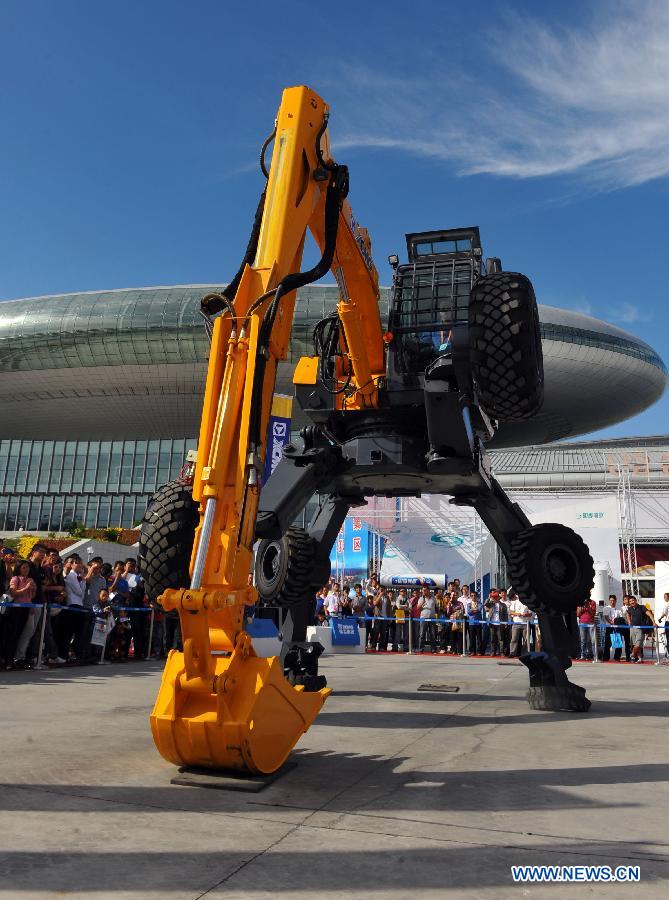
{"type": "Point", "coordinates": [7, 563]}
{"type": "Point", "coordinates": [498, 616]}
{"type": "Point", "coordinates": [371, 602]}
{"type": "Point", "coordinates": [586, 620]}
{"type": "Point", "coordinates": [22, 590]}
{"type": "Point", "coordinates": [118, 587]}
{"type": "Point", "coordinates": [345, 604]}
{"type": "Point", "coordinates": [427, 611]}
{"type": "Point", "coordinates": [173, 639]}
{"type": "Point", "coordinates": [94, 582]}
{"type": "Point", "coordinates": [665, 616]}
{"type": "Point", "coordinates": [624, 627]}
{"type": "Point", "coordinates": [465, 598]}
{"type": "Point", "coordinates": [118, 640]}
{"type": "Point", "coordinates": [505, 630]}
{"type": "Point", "coordinates": [475, 626]}
{"type": "Point", "coordinates": [610, 617]}
{"type": "Point", "coordinates": [34, 618]}
{"type": "Point", "coordinates": [402, 624]}
{"type": "Point", "coordinates": [333, 601]}
{"type": "Point", "coordinates": [157, 648]}
{"type": "Point", "coordinates": [72, 620]}
{"type": "Point", "coordinates": [415, 617]}
{"type": "Point", "coordinates": [358, 600]}
{"type": "Point", "coordinates": [70, 563]}
{"type": "Point", "coordinates": [53, 589]}
{"type": "Point", "coordinates": [457, 615]}
{"type": "Point", "coordinates": [520, 616]}
{"type": "Point", "coordinates": [319, 611]}
{"type": "Point", "coordinates": [139, 620]}
{"type": "Point", "coordinates": [385, 623]}
{"type": "Point", "coordinates": [638, 618]}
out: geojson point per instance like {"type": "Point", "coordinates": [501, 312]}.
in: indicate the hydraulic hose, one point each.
{"type": "Point", "coordinates": [336, 192]}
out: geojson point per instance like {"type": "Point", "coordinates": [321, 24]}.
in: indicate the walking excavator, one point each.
{"type": "Point", "coordinates": [396, 409]}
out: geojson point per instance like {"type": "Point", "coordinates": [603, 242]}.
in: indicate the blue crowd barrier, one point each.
{"type": "Point", "coordinates": [468, 621]}
{"type": "Point", "coordinates": [146, 609]}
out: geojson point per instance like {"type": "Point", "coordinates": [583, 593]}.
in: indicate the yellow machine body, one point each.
{"type": "Point", "coordinates": [219, 705]}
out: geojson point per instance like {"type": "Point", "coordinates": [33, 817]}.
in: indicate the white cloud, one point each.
{"type": "Point", "coordinates": [630, 313]}
{"type": "Point", "coordinates": [590, 101]}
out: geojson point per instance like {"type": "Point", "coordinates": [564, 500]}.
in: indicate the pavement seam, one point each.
{"type": "Point", "coordinates": [561, 837]}
{"type": "Point", "coordinates": [595, 852]}
{"type": "Point", "coordinates": [437, 840]}
{"type": "Point", "coordinates": [247, 862]}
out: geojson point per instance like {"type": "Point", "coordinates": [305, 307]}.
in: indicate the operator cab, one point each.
{"type": "Point", "coordinates": [455, 242]}
{"type": "Point", "coordinates": [431, 294]}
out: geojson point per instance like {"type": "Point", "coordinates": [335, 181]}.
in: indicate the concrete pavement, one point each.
{"type": "Point", "coordinates": [397, 793]}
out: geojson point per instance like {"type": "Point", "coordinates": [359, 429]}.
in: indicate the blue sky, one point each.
{"type": "Point", "coordinates": [131, 130]}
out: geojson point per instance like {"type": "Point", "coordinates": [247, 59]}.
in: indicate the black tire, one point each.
{"type": "Point", "coordinates": [166, 538]}
{"type": "Point", "coordinates": [505, 346]}
{"type": "Point", "coordinates": [551, 568]}
{"type": "Point", "coordinates": [285, 569]}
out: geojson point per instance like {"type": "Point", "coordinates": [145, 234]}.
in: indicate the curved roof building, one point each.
{"type": "Point", "coordinates": [101, 394]}
{"type": "Point", "coordinates": [132, 364]}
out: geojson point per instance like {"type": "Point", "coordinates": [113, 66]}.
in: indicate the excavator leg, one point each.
{"type": "Point", "coordinates": [552, 571]}
{"type": "Point", "coordinates": [322, 531]}
{"type": "Point", "coordinates": [550, 689]}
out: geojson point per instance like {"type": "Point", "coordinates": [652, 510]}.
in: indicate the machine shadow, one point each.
{"type": "Point", "coordinates": [357, 784]}
{"type": "Point", "coordinates": [335, 867]}
{"type": "Point", "coordinates": [70, 673]}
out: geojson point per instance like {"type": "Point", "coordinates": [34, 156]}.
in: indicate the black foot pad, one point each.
{"type": "Point", "coordinates": [549, 697]}
{"type": "Point", "coordinates": [550, 689]}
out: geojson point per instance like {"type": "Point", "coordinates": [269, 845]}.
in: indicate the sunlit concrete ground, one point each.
{"type": "Point", "coordinates": [396, 793]}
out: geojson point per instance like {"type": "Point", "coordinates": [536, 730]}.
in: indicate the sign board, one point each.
{"type": "Point", "coordinates": [416, 579]}
{"type": "Point", "coordinates": [101, 629]}
{"type": "Point", "coordinates": [278, 433]}
{"type": "Point", "coordinates": [345, 631]}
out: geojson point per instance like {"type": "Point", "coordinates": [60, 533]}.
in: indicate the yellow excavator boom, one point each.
{"type": "Point", "coordinates": [219, 705]}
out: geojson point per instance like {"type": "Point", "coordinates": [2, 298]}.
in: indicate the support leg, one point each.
{"type": "Point", "coordinates": [550, 689]}
{"type": "Point", "coordinates": [299, 658]}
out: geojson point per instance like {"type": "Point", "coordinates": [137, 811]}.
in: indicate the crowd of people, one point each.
{"type": "Point", "coordinates": [49, 607]}
{"type": "Point", "coordinates": [458, 621]}
{"type": "Point", "coordinates": [50, 604]}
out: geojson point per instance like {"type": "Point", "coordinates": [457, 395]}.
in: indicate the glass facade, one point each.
{"type": "Point", "coordinates": [49, 485]}
{"type": "Point", "coordinates": [136, 327]}
{"type": "Point", "coordinates": [568, 334]}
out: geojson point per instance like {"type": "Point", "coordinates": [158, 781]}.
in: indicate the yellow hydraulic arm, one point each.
{"type": "Point", "coordinates": [219, 705]}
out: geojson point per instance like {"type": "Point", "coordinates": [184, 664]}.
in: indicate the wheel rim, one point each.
{"type": "Point", "coordinates": [270, 562]}
{"type": "Point", "coordinates": [562, 567]}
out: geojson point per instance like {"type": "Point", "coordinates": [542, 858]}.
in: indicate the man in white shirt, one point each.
{"type": "Point", "coordinates": [609, 615]}
{"type": "Point", "coordinates": [625, 630]}
{"type": "Point", "coordinates": [519, 615]}
{"type": "Point", "coordinates": [665, 615]}
{"type": "Point", "coordinates": [72, 621]}
{"type": "Point", "coordinates": [332, 603]}
{"type": "Point", "coordinates": [428, 612]}
{"type": "Point", "coordinates": [465, 598]}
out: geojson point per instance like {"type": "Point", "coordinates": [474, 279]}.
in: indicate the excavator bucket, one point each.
{"type": "Point", "coordinates": [245, 716]}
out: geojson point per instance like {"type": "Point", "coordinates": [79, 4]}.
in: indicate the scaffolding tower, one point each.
{"type": "Point", "coordinates": [627, 528]}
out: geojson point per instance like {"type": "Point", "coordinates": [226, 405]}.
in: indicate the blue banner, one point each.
{"type": "Point", "coordinates": [345, 631]}
{"type": "Point", "coordinates": [278, 433]}
{"type": "Point", "coordinates": [431, 581]}
{"type": "Point", "coordinates": [350, 553]}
